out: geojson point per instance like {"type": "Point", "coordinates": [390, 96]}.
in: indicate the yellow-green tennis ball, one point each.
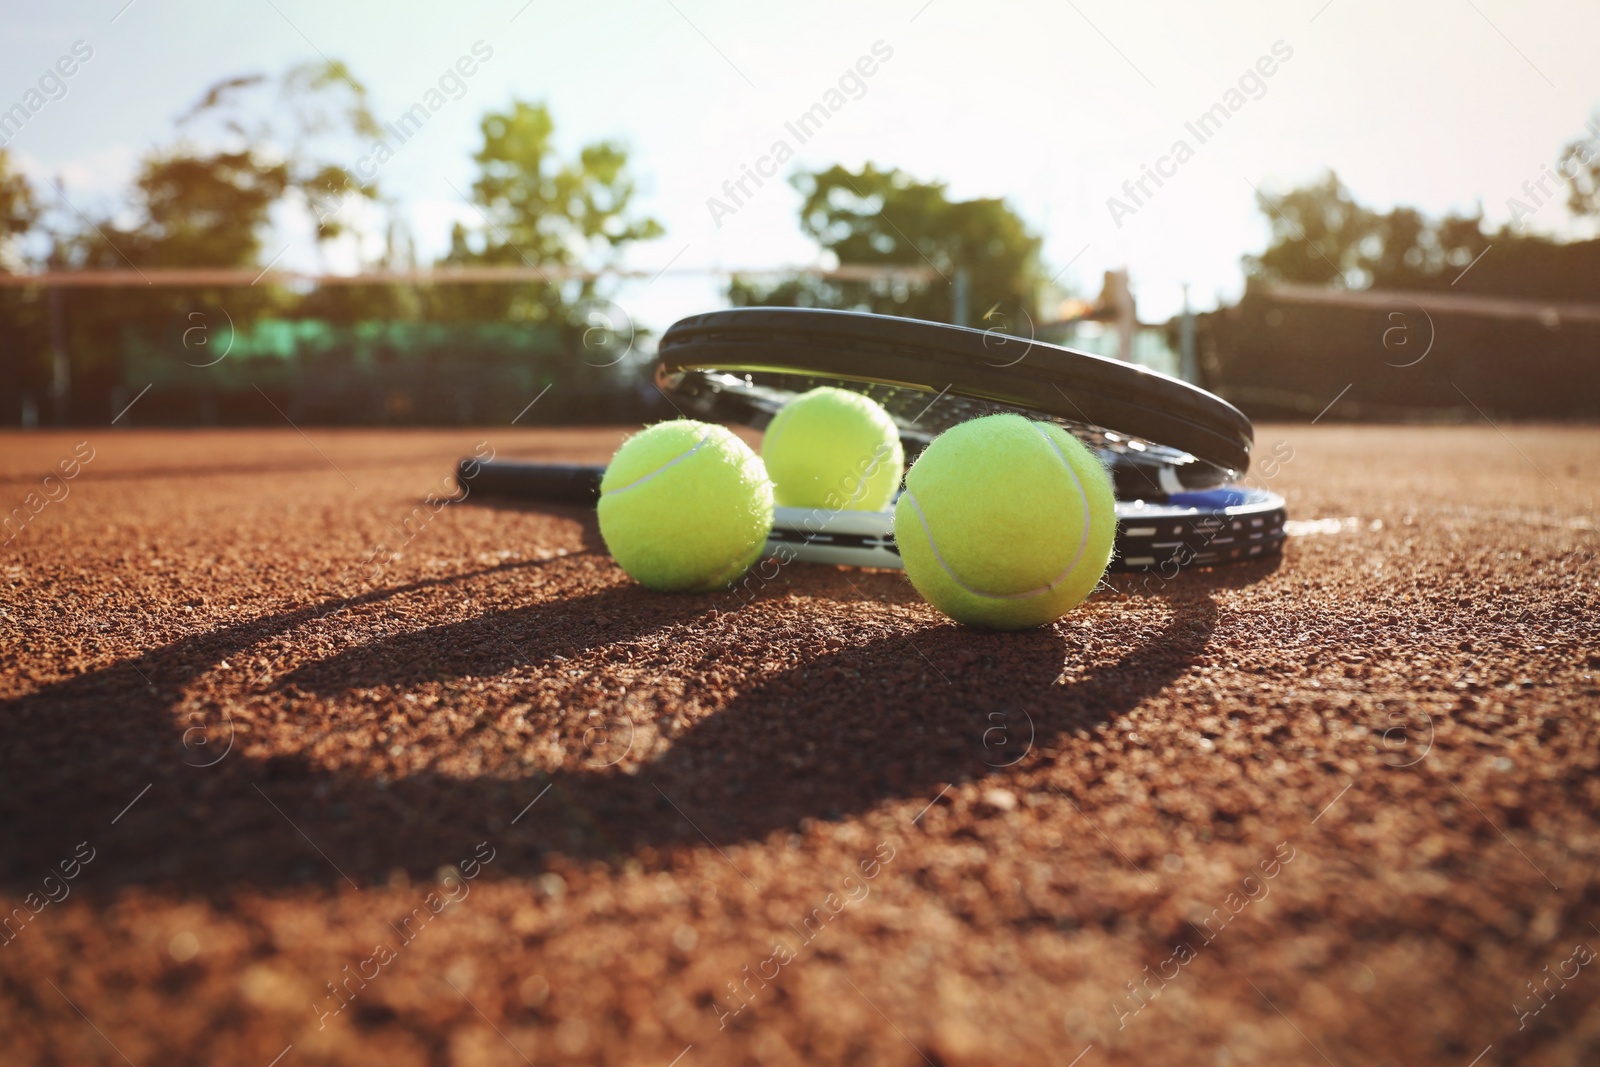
{"type": "Point", "coordinates": [685, 507]}
{"type": "Point", "coordinates": [1006, 523]}
{"type": "Point", "coordinates": [831, 448]}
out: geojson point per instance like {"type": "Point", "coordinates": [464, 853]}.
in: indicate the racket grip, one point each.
{"type": "Point", "coordinates": [562, 483]}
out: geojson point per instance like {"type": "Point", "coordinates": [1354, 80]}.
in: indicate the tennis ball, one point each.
{"type": "Point", "coordinates": [685, 507]}
{"type": "Point", "coordinates": [1006, 523]}
{"type": "Point", "coordinates": [831, 448]}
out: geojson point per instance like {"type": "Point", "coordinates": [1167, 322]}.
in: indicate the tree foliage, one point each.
{"type": "Point", "coordinates": [19, 211]}
{"type": "Point", "coordinates": [1322, 236]}
{"type": "Point", "coordinates": [540, 210]}
{"type": "Point", "coordinates": [1580, 165]}
{"type": "Point", "coordinates": [249, 147]}
{"type": "Point", "coordinates": [255, 148]}
{"type": "Point", "coordinates": [299, 122]}
{"type": "Point", "coordinates": [207, 210]}
{"type": "Point", "coordinates": [888, 218]}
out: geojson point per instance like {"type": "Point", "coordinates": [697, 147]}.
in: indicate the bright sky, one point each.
{"type": "Point", "coordinates": [1443, 104]}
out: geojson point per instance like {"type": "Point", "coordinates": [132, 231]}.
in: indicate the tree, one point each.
{"type": "Point", "coordinates": [1316, 233]}
{"type": "Point", "coordinates": [205, 210]}
{"type": "Point", "coordinates": [300, 122]}
{"type": "Point", "coordinates": [22, 362]}
{"type": "Point", "coordinates": [18, 212]}
{"type": "Point", "coordinates": [540, 210]}
{"type": "Point", "coordinates": [888, 218]}
{"type": "Point", "coordinates": [250, 145]}
{"type": "Point", "coordinates": [1580, 165]}
{"type": "Point", "coordinates": [1322, 236]}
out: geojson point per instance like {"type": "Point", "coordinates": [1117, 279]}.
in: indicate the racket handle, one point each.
{"type": "Point", "coordinates": [559, 483]}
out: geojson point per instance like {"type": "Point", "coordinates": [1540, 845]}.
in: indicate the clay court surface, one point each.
{"type": "Point", "coordinates": [1340, 808]}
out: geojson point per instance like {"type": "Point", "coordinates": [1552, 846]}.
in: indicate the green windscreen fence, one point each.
{"type": "Point", "coordinates": [385, 373]}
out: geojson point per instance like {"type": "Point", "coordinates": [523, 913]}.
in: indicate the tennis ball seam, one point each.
{"type": "Point", "coordinates": [673, 462]}
{"type": "Point", "coordinates": [1083, 540]}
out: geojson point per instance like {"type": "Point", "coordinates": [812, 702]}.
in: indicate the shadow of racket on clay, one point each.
{"type": "Point", "coordinates": [897, 717]}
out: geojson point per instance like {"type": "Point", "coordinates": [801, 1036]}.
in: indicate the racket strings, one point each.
{"type": "Point", "coordinates": [919, 412]}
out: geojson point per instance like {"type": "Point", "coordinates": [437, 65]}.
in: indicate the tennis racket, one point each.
{"type": "Point", "coordinates": [1173, 449]}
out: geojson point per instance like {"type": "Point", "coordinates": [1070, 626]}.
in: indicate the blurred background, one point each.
{"type": "Point", "coordinates": [419, 214]}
